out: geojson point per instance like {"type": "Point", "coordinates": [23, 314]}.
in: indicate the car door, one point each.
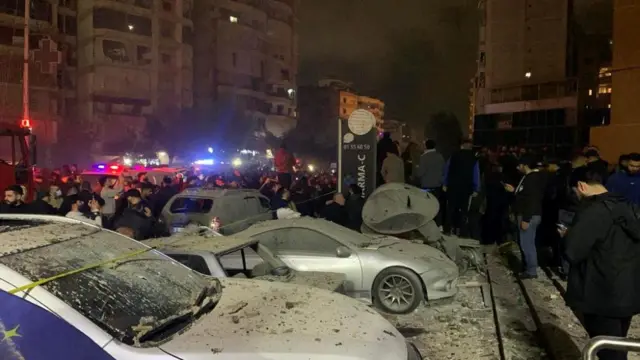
{"type": "Point", "coordinates": [304, 249]}
{"type": "Point", "coordinates": [257, 209]}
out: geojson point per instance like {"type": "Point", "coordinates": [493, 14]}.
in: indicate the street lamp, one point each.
{"type": "Point", "coordinates": [210, 150]}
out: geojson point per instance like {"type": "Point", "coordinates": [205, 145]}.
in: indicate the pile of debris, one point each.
{"type": "Point", "coordinates": [408, 212]}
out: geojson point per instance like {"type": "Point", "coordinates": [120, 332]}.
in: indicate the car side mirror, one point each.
{"type": "Point", "coordinates": [343, 252]}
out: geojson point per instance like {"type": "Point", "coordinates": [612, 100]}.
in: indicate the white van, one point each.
{"type": "Point", "coordinates": [146, 305]}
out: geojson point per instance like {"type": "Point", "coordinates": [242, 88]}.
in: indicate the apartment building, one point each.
{"type": "Point", "coordinates": [544, 75]}
{"type": "Point", "coordinates": [245, 63]}
{"type": "Point", "coordinates": [525, 89]}
{"type": "Point", "coordinates": [621, 81]}
{"type": "Point", "coordinates": [321, 105]}
{"type": "Point", "coordinates": [134, 63]}
{"type": "Point", "coordinates": [45, 102]}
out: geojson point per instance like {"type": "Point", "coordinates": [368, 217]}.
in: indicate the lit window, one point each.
{"type": "Point", "coordinates": [590, 92]}
{"type": "Point", "coordinates": [527, 74]}
{"type": "Point", "coordinates": [233, 19]}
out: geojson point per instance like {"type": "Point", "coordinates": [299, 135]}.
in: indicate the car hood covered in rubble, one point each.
{"type": "Point", "coordinates": [264, 320]}
{"type": "Point", "coordinates": [402, 249]}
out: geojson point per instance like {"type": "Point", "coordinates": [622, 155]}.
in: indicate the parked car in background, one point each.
{"type": "Point", "coordinates": [238, 257]}
{"type": "Point", "coordinates": [225, 210]}
{"type": "Point", "coordinates": [140, 304]}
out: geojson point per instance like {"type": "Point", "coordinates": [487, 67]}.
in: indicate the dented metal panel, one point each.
{"type": "Point", "coordinates": [398, 208]}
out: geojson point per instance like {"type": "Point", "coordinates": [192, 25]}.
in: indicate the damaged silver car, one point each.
{"type": "Point", "coordinates": [238, 257]}
{"type": "Point", "coordinates": [394, 274]}
{"type": "Point", "coordinates": [408, 212]}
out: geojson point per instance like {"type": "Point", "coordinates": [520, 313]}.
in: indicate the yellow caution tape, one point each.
{"type": "Point", "coordinates": [75, 271]}
{"type": "Point", "coordinates": [123, 257]}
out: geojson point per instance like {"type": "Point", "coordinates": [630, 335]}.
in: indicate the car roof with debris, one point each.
{"type": "Point", "coordinates": [303, 221]}
{"type": "Point", "coordinates": [23, 232]}
{"type": "Point", "coordinates": [201, 239]}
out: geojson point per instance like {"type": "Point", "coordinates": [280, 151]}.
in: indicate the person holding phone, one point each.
{"type": "Point", "coordinates": [603, 246]}
{"type": "Point", "coordinates": [529, 195]}
{"type": "Point", "coordinates": [86, 209]}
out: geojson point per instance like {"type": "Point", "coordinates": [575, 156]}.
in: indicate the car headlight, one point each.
{"type": "Point", "coordinates": [412, 352]}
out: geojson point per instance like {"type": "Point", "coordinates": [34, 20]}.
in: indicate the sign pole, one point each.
{"type": "Point", "coordinates": [339, 155]}
{"type": "Point", "coordinates": [357, 155]}
{"type": "Point", "coordinates": [25, 68]}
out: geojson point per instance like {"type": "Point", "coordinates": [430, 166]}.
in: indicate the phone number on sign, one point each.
{"type": "Point", "coordinates": [356, 147]}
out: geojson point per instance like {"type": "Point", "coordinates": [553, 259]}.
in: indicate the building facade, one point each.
{"type": "Point", "coordinates": [621, 82]}
{"type": "Point", "coordinates": [46, 100]}
{"type": "Point", "coordinates": [525, 91]}
{"type": "Point", "coordinates": [134, 63]}
{"type": "Point", "coordinates": [245, 63]}
{"type": "Point", "coordinates": [321, 105]}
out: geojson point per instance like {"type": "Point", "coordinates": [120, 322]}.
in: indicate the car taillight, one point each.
{"type": "Point", "coordinates": [215, 224]}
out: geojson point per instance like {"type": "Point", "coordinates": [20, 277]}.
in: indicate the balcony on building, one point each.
{"type": "Point", "coordinates": [543, 96]}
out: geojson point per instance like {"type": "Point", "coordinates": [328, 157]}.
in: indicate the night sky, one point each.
{"type": "Point", "coordinates": [416, 55]}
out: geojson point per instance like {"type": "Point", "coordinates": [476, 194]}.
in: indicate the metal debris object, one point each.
{"type": "Point", "coordinates": [408, 212]}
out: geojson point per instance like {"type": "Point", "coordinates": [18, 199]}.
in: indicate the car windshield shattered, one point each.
{"type": "Point", "coordinates": [121, 297]}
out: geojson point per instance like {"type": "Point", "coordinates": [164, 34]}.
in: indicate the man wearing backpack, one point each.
{"type": "Point", "coordinates": [603, 248]}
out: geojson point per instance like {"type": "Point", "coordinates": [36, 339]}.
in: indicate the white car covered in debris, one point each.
{"type": "Point", "coordinates": [136, 303]}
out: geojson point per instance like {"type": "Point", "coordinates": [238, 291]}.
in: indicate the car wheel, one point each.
{"type": "Point", "coordinates": [397, 291]}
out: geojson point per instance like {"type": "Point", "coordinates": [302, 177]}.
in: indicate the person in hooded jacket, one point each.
{"type": "Point", "coordinates": [603, 247]}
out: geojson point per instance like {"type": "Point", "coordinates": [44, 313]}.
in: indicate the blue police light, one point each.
{"type": "Point", "coordinates": [205, 162]}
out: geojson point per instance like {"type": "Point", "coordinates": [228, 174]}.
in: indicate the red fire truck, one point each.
{"type": "Point", "coordinates": [17, 157]}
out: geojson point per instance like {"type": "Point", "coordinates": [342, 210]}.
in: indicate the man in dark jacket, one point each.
{"type": "Point", "coordinates": [529, 196]}
{"type": "Point", "coordinates": [596, 164]}
{"type": "Point", "coordinates": [354, 206]}
{"type": "Point", "coordinates": [461, 181]}
{"type": "Point", "coordinates": [137, 216]}
{"type": "Point", "coordinates": [13, 201]}
{"type": "Point", "coordinates": [603, 247]}
{"type": "Point", "coordinates": [627, 183]}
{"type": "Point", "coordinates": [335, 211]}
{"type": "Point", "coordinates": [162, 197]}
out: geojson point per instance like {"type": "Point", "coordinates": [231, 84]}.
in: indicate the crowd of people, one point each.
{"type": "Point", "coordinates": [133, 206]}
{"type": "Point", "coordinates": [583, 209]}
